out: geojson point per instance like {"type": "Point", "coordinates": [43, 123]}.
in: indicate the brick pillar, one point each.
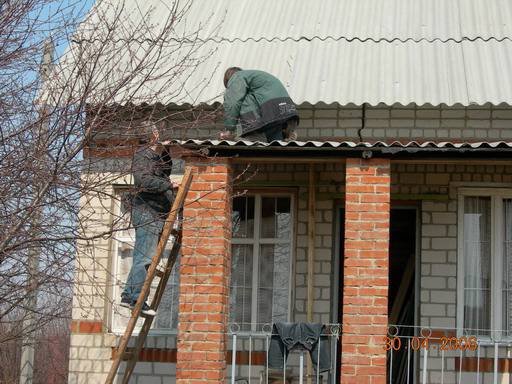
{"type": "Point", "coordinates": [204, 274]}
{"type": "Point", "coordinates": [366, 263]}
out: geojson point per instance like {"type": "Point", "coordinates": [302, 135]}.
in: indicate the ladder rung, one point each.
{"type": "Point", "coordinates": [127, 355]}
{"type": "Point", "coordinates": [159, 273]}
{"type": "Point", "coordinates": [145, 316]}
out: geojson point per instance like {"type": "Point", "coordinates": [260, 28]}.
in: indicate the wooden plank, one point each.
{"type": "Point", "coordinates": [402, 292]}
{"type": "Point", "coordinates": [287, 160]}
{"type": "Point", "coordinates": [311, 254]}
{"type": "Point", "coordinates": [164, 237]}
{"type": "Point", "coordinates": [466, 161]}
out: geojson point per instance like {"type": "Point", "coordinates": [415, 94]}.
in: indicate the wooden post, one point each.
{"type": "Point", "coordinates": [311, 253]}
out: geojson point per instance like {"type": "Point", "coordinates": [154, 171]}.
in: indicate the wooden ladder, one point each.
{"type": "Point", "coordinates": [167, 230]}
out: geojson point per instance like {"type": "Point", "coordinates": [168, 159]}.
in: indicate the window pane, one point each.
{"type": "Point", "coordinates": [275, 217]}
{"type": "Point", "coordinates": [268, 217]}
{"type": "Point", "coordinates": [122, 221]}
{"type": "Point", "coordinates": [240, 299]}
{"type": "Point", "coordinates": [243, 217]}
{"type": "Point", "coordinates": [477, 263]}
{"type": "Point", "coordinates": [507, 270]}
{"type": "Point", "coordinates": [167, 314]}
{"type": "Point", "coordinates": [273, 275]}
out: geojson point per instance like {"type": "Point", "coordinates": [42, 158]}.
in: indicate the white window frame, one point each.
{"type": "Point", "coordinates": [256, 241]}
{"type": "Point", "coordinates": [117, 289]}
{"type": "Point", "coordinates": [497, 196]}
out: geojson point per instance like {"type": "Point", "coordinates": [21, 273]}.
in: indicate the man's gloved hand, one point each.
{"type": "Point", "coordinates": [226, 135]}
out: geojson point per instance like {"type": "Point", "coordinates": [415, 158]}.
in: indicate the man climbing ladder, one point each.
{"type": "Point", "coordinates": [151, 203]}
{"type": "Point", "coordinates": [139, 306]}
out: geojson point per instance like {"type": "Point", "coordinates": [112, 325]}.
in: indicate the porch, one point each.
{"type": "Point", "coordinates": [352, 241]}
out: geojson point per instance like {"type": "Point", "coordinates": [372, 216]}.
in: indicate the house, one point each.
{"type": "Point", "coordinates": [389, 220]}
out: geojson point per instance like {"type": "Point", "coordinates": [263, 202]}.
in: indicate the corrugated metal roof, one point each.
{"type": "Point", "coordinates": [413, 149]}
{"type": "Point", "coordinates": [359, 72]}
{"type": "Point", "coordinates": [341, 51]}
{"type": "Point", "coordinates": [343, 144]}
{"type": "Point", "coordinates": [353, 19]}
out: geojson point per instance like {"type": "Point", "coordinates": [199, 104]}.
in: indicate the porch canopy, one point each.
{"type": "Point", "coordinates": [323, 149]}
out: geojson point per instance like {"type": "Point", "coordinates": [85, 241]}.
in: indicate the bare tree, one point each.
{"type": "Point", "coordinates": [56, 137]}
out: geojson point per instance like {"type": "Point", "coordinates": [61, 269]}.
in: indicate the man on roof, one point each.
{"type": "Point", "coordinates": [259, 102]}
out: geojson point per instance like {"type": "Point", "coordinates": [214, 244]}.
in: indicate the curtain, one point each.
{"type": "Point", "coordinates": [240, 298]}
{"type": "Point", "coordinates": [265, 290]}
{"type": "Point", "coordinates": [477, 265]}
{"type": "Point", "coordinates": [507, 270]}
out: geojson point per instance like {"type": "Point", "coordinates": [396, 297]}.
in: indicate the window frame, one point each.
{"type": "Point", "coordinates": [256, 241]}
{"type": "Point", "coordinates": [116, 288]}
{"type": "Point", "coordinates": [497, 195]}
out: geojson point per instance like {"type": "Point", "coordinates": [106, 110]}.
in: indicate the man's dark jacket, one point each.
{"type": "Point", "coordinates": [151, 180]}
{"type": "Point", "coordinates": [257, 99]}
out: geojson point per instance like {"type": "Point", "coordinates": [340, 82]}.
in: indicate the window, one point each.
{"type": "Point", "coordinates": [485, 263]}
{"type": "Point", "coordinates": [166, 319]}
{"type": "Point", "coordinates": [261, 258]}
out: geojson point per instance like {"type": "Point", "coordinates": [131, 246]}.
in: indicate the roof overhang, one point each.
{"type": "Point", "coordinates": [317, 149]}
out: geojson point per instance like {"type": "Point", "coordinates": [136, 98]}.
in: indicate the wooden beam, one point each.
{"type": "Point", "coordinates": [287, 160]}
{"type": "Point", "coordinates": [311, 252]}
{"type": "Point", "coordinates": [403, 291]}
{"type": "Point", "coordinates": [468, 161]}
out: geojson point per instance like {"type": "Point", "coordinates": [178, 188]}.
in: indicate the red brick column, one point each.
{"type": "Point", "coordinates": [365, 290]}
{"type": "Point", "coordinates": [204, 274]}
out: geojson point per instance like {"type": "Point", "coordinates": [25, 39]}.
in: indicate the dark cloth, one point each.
{"type": "Point", "coordinates": [151, 173]}
{"type": "Point", "coordinates": [266, 134]}
{"type": "Point", "coordinates": [256, 99]}
{"type": "Point", "coordinates": [287, 336]}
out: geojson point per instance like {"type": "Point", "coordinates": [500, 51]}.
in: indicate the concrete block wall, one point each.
{"type": "Point", "coordinates": [407, 123]}
{"type": "Point", "coordinates": [90, 349]}
{"type": "Point", "coordinates": [162, 348]}
{"type": "Point", "coordinates": [92, 265]}
{"type": "Point", "coordinates": [91, 341]}
{"type": "Point", "coordinates": [381, 122]}
{"type": "Point", "coordinates": [439, 227]}
{"type": "Point", "coordinates": [438, 248]}
{"type": "Point", "coordinates": [89, 357]}
{"type": "Point", "coordinates": [91, 301]}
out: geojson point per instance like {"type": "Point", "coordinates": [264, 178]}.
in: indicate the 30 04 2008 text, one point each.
{"type": "Point", "coordinates": [443, 343]}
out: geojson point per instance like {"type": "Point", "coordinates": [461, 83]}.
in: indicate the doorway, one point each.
{"type": "Point", "coordinates": [402, 301]}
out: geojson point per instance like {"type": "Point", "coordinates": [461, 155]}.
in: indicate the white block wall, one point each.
{"type": "Point", "coordinates": [438, 242]}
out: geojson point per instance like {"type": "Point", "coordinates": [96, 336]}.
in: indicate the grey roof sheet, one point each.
{"type": "Point", "coordinates": [358, 72]}
{"type": "Point", "coordinates": [339, 51]}
{"type": "Point", "coordinates": [344, 144]}
{"type": "Point", "coordinates": [376, 20]}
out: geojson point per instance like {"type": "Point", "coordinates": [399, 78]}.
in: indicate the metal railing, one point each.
{"type": "Point", "coordinates": [441, 355]}
{"type": "Point", "coordinates": [251, 363]}
{"type": "Point", "coordinates": [415, 355]}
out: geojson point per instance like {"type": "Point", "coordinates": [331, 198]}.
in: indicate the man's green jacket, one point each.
{"type": "Point", "coordinates": [256, 99]}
